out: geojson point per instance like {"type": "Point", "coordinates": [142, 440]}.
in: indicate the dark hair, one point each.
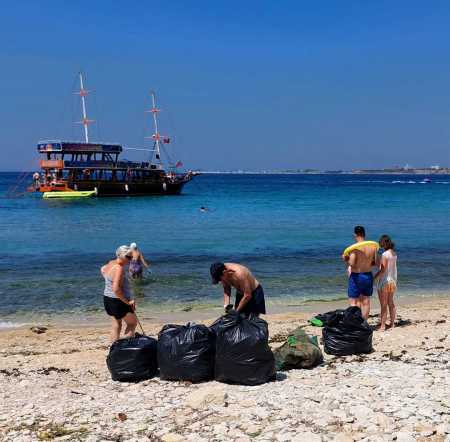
{"type": "Point", "coordinates": [386, 242]}
{"type": "Point", "coordinates": [360, 231]}
{"type": "Point", "coordinates": [216, 270]}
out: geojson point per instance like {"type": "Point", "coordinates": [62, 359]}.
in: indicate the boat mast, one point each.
{"type": "Point", "coordinates": [156, 136]}
{"type": "Point", "coordinates": [85, 121]}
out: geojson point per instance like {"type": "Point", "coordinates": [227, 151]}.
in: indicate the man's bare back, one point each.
{"type": "Point", "coordinates": [239, 277]}
{"type": "Point", "coordinates": [362, 260]}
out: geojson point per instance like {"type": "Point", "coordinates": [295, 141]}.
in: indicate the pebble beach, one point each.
{"type": "Point", "coordinates": [54, 385]}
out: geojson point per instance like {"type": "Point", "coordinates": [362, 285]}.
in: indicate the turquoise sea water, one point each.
{"type": "Point", "coordinates": [289, 229]}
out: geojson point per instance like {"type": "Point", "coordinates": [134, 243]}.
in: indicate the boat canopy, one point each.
{"type": "Point", "coordinates": [77, 147]}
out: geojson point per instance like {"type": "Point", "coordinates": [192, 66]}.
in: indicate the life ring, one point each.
{"type": "Point", "coordinates": [358, 245]}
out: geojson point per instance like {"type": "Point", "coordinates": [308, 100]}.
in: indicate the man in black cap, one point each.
{"type": "Point", "coordinates": [249, 293]}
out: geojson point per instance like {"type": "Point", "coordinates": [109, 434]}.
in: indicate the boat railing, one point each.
{"type": "Point", "coordinates": [99, 164]}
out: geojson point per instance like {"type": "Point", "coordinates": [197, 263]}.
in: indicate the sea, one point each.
{"type": "Point", "coordinates": [290, 230]}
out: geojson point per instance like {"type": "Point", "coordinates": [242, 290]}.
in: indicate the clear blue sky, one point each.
{"type": "Point", "coordinates": [243, 84]}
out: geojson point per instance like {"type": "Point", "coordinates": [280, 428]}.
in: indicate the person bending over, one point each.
{"type": "Point", "coordinates": [249, 293]}
{"type": "Point", "coordinates": [360, 280]}
{"type": "Point", "coordinates": [117, 295]}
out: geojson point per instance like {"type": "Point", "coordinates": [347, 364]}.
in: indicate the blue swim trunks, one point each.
{"type": "Point", "coordinates": [360, 284]}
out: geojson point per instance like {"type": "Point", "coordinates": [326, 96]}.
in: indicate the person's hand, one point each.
{"type": "Point", "coordinates": [228, 308]}
{"type": "Point", "coordinates": [132, 304]}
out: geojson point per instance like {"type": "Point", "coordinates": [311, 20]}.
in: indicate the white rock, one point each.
{"type": "Point", "coordinates": [252, 429]}
{"type": "Point", "coordinates": [361, 412]}
{"type": "Point", "coordinates": [443, 429]}
{"type": "Point", "coordinates": [172, 437]}
{"type": "Point", "coordinates": [307, 436]}
{"type": "Point", "coordinates": [342, 437]}
{"type": "Point", "coordinates": [404, 436]}
{"type": "Point", "coordinates": [206, 396]}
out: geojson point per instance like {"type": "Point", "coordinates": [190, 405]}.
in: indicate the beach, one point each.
{"type": "Point", "coordinates": [55, 385]}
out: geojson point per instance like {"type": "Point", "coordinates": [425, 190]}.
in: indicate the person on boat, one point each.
{"type": "Point", "coordinates": [386, 279]}
{"type": "Point", "coordinates": [249, 293]}
{"type": "Point", "coordinates": [117, 294]}
{"type": "Point", "coordinates": [137, 262]}
{"type": "Point", "coordinates": [360, 280]}
{"type": "Point", "coordinates": [36, 180]}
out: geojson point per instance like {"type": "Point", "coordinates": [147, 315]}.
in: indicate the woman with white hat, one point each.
{"type": "Point", "coordinates": [117, 294]}
{"type": "Point", "coordinates": [137, 262]}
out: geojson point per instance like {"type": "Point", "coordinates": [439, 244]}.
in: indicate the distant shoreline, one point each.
{"type": "Point", "coordinates": [444, 171]}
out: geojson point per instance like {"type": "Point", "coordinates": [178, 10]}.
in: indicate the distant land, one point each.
{"type": "Point", "coordinates": [433, 170]}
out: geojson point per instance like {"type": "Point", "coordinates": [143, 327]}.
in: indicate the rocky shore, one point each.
{"type": "Point", "coordinates": [54, 385]}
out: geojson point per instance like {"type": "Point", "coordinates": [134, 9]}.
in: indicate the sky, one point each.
{"type": "Point", "coordinates": [241, 84]}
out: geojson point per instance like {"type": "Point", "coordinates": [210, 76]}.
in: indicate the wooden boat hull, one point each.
{"type": "Point", "coordinates": [108, 188]}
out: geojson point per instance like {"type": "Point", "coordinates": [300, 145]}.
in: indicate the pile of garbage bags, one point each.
{"type": "Point", "coordinates": [234, 349]}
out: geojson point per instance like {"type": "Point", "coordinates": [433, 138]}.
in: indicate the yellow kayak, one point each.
{"type": "Point", "coordinates": [357, 245]}
{"type": "Point", "coordinates": [74, 194]}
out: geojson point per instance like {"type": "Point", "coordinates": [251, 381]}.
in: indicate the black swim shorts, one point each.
{"type": "Point", "coordinates": [256, 305]}
{"type": "Point", "coordinates": [115, 307]}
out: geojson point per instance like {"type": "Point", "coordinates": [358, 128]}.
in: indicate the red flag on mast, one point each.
{"type": "Point", "coordinates": [179, 164]}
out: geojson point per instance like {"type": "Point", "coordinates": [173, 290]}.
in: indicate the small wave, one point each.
{"type": "Point", "coordinates": [9, 324]}
{"type": "Point", "coordinates": [442, 182]}
{"type": "Point", "coordinates": [398, 182]}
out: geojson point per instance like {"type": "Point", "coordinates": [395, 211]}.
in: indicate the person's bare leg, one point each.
{"type": "Point", "coordinates": [365, 306]}
{"type": "Point", "coordinates": [382, 296]}
{"type": "Point", "coordinates": [354, 302]}
{"type": "Point", "coordinates": [131, 323]}
{"type": "Point", "coordinates": [116, 327]}
{"type": "Point", "coordinates": [392, 307]}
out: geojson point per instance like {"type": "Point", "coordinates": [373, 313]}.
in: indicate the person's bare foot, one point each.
{"type": "Point", "coordinates": [382, 329]}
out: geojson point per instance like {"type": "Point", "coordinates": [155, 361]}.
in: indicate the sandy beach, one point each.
{"type": "Point", "coordinates": [55, 385]}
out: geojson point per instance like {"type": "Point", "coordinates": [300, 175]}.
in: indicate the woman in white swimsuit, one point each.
{"type": "Point", "coordinates": [386, 278]}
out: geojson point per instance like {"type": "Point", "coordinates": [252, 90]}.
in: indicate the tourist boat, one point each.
{"type": "Point", "coordinates": [86, 168]}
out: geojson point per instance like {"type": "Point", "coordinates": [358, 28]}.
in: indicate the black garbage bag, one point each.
{"type": "Point", "coordinates": [186, 352]}
{"type": "Point", "coordinates": [347, 333]}
{"type": "Point", "coordinates": [133, 359]}
{"type": "Point", "coordinates": [325, 317]}
{"type": "Point", "coordinates": [243, 355]}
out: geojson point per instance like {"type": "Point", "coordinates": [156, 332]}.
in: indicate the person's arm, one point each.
{"type": "Point", "coordinates": [117, 285]}
{"type": "Point", "coordinates": [226, 294]}
{"type": "Point", "coordinates": [144, 262]}
{"type": "Point", "coordinates": [246, 296]}
{"type": "Point", "coordinates": [351, 261]}
{"type": "Point", "coordinates": [383, 264]}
